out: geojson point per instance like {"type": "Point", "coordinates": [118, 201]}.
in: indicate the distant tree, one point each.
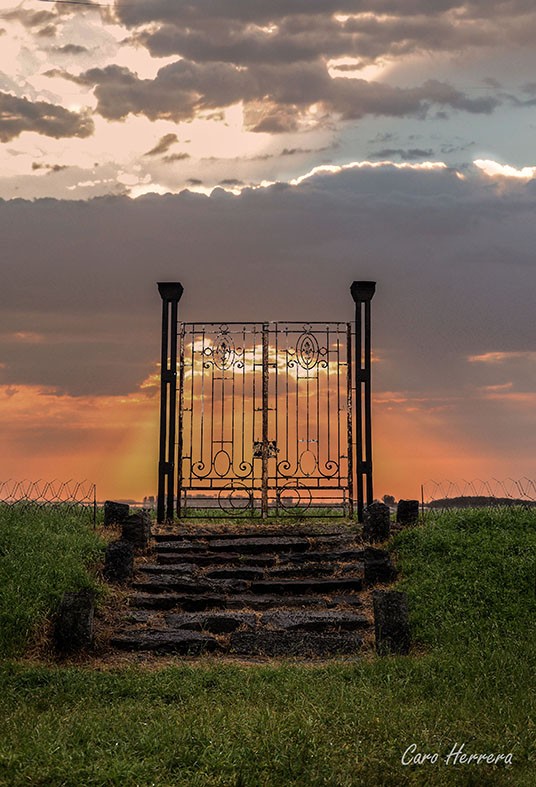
{"type": "Point", "coordinates": [389, 500]}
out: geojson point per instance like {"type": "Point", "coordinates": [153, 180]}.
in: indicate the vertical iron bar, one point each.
{"type": "Point", "coordinates": [181, 409]}
{"type": "Point", "coordinates": [422, 502]}
{"type": "Point", "coordinates": [265, 379]}
{"type": "Point", "coordinates": [94, 505]}
{"type": "Point", "coordinates": [362, 292]}
{"type": "Point", "coordinates": [328, 392]}
{"type": "Point", "coordinates": [161, 504]}
{"type": "Point", "coordinates": [338, 405]}
{"type": "Point", "coordinates": [359, 407]}
{"type": "Point", "coordinates": [172, 412]}
{"type": "Point", "coordinates": [368, 407]}
{"type": "Point", "coordinates": [349, 403]}
{"type": "Point", "coordinates": [254, 408]}
{"type": "Point", "coordinates": [171, 293]}
{"type": "Point", "coordinates": [277, 411]}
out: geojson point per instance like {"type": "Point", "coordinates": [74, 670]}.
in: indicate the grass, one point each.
{"type": "Point", "coordinates": [43, 553]}
{"type": "Point", "coordinates": [470, 578]}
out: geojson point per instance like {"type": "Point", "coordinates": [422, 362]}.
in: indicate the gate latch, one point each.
{"type": "Point", "coordinates": [271, 449]}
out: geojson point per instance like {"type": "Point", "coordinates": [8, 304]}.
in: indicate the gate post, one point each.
{"type": "Point", "coordinates": [362, 293]}
{"type": "Point", "coordinates": [171, 293]}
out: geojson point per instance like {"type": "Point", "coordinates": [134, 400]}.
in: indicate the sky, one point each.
{"type": "Point", "coordinates": [266, 154]}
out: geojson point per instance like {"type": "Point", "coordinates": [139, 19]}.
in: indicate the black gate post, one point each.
{"type": "Point", "coordinates": [362, 293]}
{"type": "Point", "coordinates": [171, 293]}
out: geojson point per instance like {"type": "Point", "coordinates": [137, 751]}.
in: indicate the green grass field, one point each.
{"type": "Point", "coordinates": [470, 577]}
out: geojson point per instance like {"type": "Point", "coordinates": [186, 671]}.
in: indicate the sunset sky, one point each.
{"type": "Point", "coordinates": [265, 154]}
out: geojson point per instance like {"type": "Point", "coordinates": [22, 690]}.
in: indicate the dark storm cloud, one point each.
{"type": "Point", "coordinates": [274, 95]}
{"type": "Point", "coordinates": [21, 114]}
{"type": "Point", "coordinates": [244, 32]}
{"type": "Point", "coordinates": [136, 12]}
{"type": "Point", "coordinates": [453, 259]}
{"type": "Point", "coordinates": [274, 58]}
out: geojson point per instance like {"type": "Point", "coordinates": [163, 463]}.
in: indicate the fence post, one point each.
{"type": "Point", "coordinates": [362, 293]}
{"type": "Point", "coordinates": [171, 293]}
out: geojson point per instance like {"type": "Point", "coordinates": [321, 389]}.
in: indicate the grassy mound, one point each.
{"type": "Point", "coordinates": [470, 580]}
{"type": "Point", "coordinates": [43, 553]}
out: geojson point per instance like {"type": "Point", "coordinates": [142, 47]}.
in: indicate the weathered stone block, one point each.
{"type": "Point", "coordinates": [378, 566]}
{"type": "Point", "coordinates": [119, 561]}
{"type": "Point", "coordinates": [377, 522]}
{"type": "Point", "coordinates": [391, 622]}
{"type": "Point", "coordinates": [115, 513]}
{"type": "Point", "coordinates": [407, 512]}
{"type": "Point", "coordinates": [73, 624]}
{"type": "Point", "coordinates": [136, 529]}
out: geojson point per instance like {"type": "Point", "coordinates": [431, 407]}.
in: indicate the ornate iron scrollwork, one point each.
{"type": "Point", "coordinates": [235, 498]}
{"type": "Point", "coordinates": [240, 381]}
{"type": "Point", "coordinates": [223, 352]}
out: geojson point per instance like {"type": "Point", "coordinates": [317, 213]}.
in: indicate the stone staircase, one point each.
{"type": "Point", "coordinates": [249, 592]}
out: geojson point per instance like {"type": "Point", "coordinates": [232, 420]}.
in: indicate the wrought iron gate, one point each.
{"type": "Point", "coordinates": [258, 418]}
{"type": "Point", "coordinates": [265, 418]}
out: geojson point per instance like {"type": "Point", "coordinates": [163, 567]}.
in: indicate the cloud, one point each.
{"type": "Point", "coordinates": [429, 238]}
{"type": "Point", "coordinates": [276, 97]}
{"type": "Point", "coordinates": [50, 167]}
{"type": "Point", "coordinates": [163, 145]}
{"type": "Point", "coordinates": [495, 169]}
{"type": "Point", "coordinates": [445, 252]}
{"type": "Point", "coordinates": [500, 357]}
{"type": "Point", "coordinates": [20, 114]}
{"type": "Point", "coordinates": [413, 154]}
{"type": "Point", "coordinates": [71, 49]}
{"type": "Point", "coordinates": [176, 157]}
{"type": "Point", "coordinates": [28, 18]}
{"type": "Point", "coordinates": [256, 32]}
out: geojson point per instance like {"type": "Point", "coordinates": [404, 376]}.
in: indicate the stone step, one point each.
{"type": "Point", "coordinates": [221, 559]}
{"type": "Point", "coordinates": [274, 642]}
{"type": "Point", "coordinates": [159, 583]}
{"type": "Point", "coordinates": [311, 570]}
{"type": "Point", "coordinates": [237, 572]}
{"type": "Point", "coordinates": [178, 569]}
{"type": "Point", "coordinates": [193, 603]}
{"type": "Point", "coordinates": [313, 620]}
{"type": "Point", "coordinates": [228, 559]}
{"type": "Point", "coordinates": [241, 545]}
{"type": "Point", "coordinates": [293, 531]}
{"type": "Point", "coordinates": [215, 622]}
{"type": "Point", "coordinates": [279, 642]}
{"type": "Point", "coordinates": [182, 641]}
{"type": "Point", "coordinates": [322, 620]}
{"type": "Point", "coordinates": [306, 586]}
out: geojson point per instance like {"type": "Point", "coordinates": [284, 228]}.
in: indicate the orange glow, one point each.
{"type": "Point", "coordinates": [113, 440]}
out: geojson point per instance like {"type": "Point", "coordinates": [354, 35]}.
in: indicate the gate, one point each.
{"type": "Point", "coordinates": [264, 419]}
{"type": "Point", "coordinates": [257, 418]}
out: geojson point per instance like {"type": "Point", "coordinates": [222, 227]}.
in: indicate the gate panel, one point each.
{"type": "Point", "coordinates": [265, 416]}
{"type": "Point", "coordinates": [220, 412]}
{"type": "Point", "coordinates": [310, 418]}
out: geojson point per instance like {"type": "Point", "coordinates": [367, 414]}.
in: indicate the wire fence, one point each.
{"type": "Point", "coordinates": [75, 498]}
{"type": "Point", "coordinates": [494, 493]}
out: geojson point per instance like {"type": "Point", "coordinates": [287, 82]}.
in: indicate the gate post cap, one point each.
{"type": "Point", "coordinates": [170, 290]}
{"type": "Point", "coordinates": [362, 290]}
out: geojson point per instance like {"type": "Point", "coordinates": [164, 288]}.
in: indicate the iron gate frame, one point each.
{"type": "Point", "coordinates": [258, 391]}
{"type": "Point", "coordinates": [358, 405]}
